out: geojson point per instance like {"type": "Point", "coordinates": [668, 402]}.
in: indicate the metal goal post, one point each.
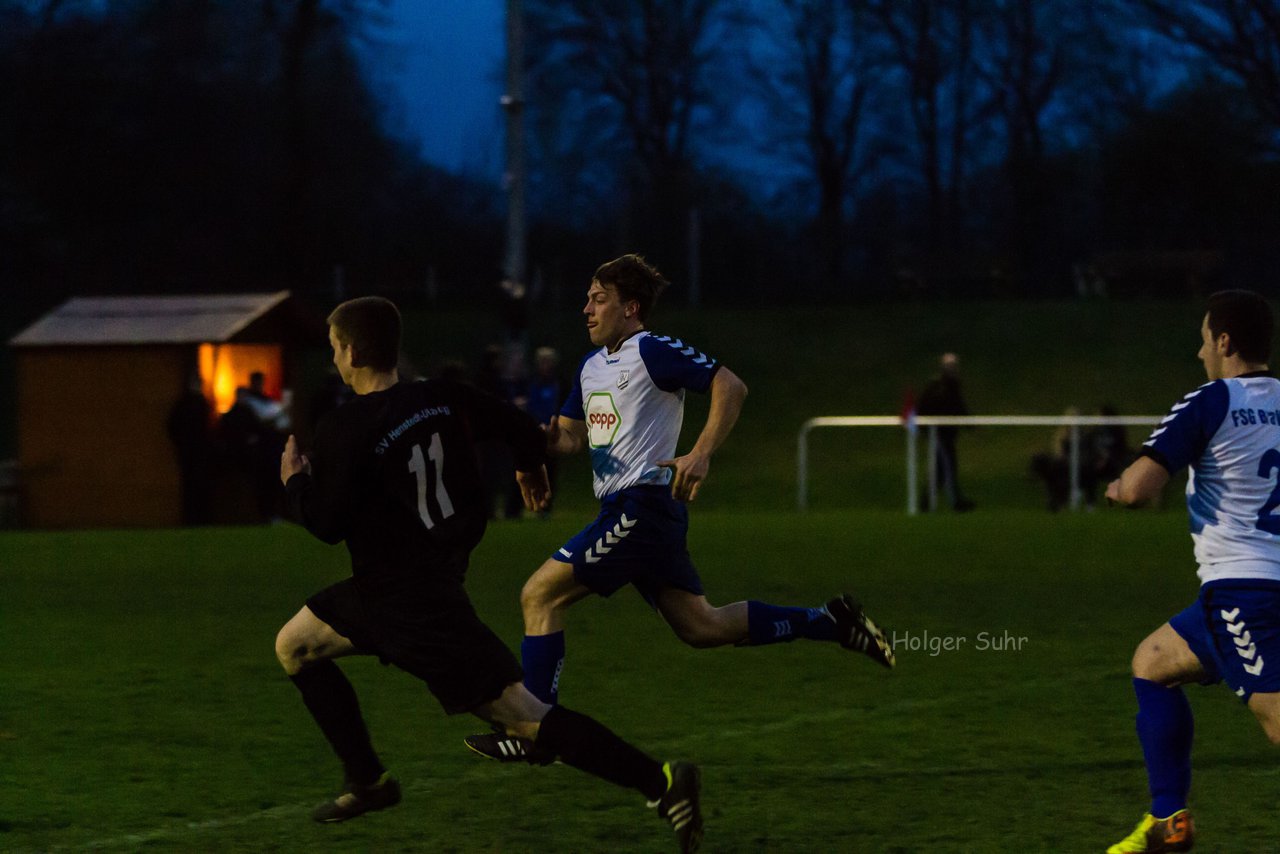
{"type": "Point", "coordinates": [911, 427]}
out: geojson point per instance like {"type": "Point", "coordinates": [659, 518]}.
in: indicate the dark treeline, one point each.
{"type": "Point", "coordinates": [787, 149]}
{"type": "Point", "coordinates": [214, 145]}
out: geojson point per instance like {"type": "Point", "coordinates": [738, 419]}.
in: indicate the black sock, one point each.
{"type": "Point", "coordinates": [332, 702]}
{"type": "Point", "coordinates": [588, 745]}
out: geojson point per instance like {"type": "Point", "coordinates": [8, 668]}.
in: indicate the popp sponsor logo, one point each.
{"type": "Point", "coordinates": [603, 420]}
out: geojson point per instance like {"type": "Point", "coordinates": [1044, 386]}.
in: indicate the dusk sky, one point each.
{"type": "Point", "coordinates": [440, 68]}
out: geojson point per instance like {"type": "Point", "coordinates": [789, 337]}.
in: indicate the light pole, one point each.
{"type": "Point", "coordinates": [513, 105]}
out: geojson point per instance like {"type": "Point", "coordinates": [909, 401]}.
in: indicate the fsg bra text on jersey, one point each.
{"type": "Point", "coordinates": [1241, 417]}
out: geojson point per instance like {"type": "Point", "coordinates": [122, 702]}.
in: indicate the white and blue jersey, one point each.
{"type": "Point", "coordinates": [1228, 433]}
{"type": "Point", "coordinates": [632, 402]}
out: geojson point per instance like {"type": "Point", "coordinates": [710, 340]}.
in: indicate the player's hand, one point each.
{"type": "Point", "coordinates": [291, 461]}
{"type": "Point", "coordinates": [689, 472]}
{"type": "Point", "coordinates": [535, 489]}
{"type": "Point", "coordinates": [1113, 491]}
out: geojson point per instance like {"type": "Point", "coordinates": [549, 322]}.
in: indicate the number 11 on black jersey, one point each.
{"type": "Point", "coordinates": [418, 465]}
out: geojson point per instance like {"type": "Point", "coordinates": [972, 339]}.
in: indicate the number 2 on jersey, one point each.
{"type": "Point", "coordinates": [1268, 521]}
{"type": "Point", "coordinates": [418, 465]}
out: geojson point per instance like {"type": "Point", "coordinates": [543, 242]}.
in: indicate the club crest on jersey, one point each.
{"type": "Point", "coordinates": [624, 377]}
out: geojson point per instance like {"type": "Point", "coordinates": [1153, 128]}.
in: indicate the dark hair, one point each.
{"type": "Point", "coordinates": [1246, 317]}
{"type": "Point", "coordinates": [634, 279]}
{"type": "Point", "coordinates": [371, 325]}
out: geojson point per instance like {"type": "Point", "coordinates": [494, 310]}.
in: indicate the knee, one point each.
{"type": "Point", "coordinates": [535, 596]}
{"type": "Point", "coordinates": [1270, 721]}
{"type": "Point", "coordinates": [1149, 663]}
{"type": "Point", "coordinates": [291, 654]}
{"type": "Point", "coordinates": [1138, 664]}
{"type": "Point", "coordinates": [531, 596]}
{"type": "Point", "coordinates": [1145, 666]}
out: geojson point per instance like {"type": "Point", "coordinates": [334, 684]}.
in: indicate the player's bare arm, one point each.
{"type": "Point", "coordinates": [565, 436]}
{"type": "Point", "coordinates": [1139, 483]}
{"type": "Point", "coordinates": [728, 393]}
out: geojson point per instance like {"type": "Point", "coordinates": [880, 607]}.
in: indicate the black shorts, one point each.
{"type": "Point", "coordinates": [446, 645]}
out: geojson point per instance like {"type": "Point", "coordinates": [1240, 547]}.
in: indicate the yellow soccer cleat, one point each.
{"type": "Point", "coordinates": [1157, 835]}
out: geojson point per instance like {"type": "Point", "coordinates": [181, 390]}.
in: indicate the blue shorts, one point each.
{"type": "Point", "coordinates": [1234, 629]}
{"type": "Point", "coordinates": [639, 539]}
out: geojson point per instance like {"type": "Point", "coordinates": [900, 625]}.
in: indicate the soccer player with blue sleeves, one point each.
{"type": "Point", "coordinates": [1228, 432]}
{"type": "Point", "coordinates": [626, 407]}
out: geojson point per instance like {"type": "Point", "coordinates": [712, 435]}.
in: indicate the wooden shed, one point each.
{"type": "Point", "coordinates": [98, 377]}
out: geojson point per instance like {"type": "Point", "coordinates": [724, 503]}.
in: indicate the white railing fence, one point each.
{"type": "Point", "coordinates": [933, 422]}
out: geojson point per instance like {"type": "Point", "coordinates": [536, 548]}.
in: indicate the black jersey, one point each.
{"type": "Point", "coordinates": [394, 474]}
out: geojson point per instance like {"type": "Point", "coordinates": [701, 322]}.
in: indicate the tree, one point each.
{"type": "Point", "coordinates": [632, 74]}
{"type": "Point", "coordinates": [1241, 37]}
{"type": "Point", "coordinates": [1024, 60]}
{"type": "Point", "coordinates": [933, 49]}
{"type": "Point", "coordinates": [819, 81]}
{"type": "Point", "coordinates": [1193, 175]}
{"type": "Point", "coordinates": [154, 144]}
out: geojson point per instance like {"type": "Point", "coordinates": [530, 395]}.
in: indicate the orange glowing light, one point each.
{"type": "Point", "coordinates": [225, 367]}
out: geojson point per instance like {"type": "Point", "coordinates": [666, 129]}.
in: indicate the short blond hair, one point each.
{"type": "Point", "coordinates": [371, 326]}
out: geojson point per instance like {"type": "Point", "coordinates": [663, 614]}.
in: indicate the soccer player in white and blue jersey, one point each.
{"type": "Point", "coordinates": [1228, 432]}
{"type": "Point", "coordinates": [626, 407]}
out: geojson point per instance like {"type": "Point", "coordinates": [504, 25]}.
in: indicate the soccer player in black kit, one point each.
{"type": "Point", "coordinates": [393, 474]}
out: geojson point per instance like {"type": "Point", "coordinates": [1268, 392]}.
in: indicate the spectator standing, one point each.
{"type": "Point", "coordinates": [942, 396]}
{"type": "Point", "coordinates": [190, 429]}
{"type": "Point", "coordinates": [543, 396]}
{"type": "Point", "coordinates": [1054, 467]}
{"type": "Point", "coordinates": [253, 433]}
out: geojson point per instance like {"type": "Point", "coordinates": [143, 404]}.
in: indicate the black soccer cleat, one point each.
{"type": "Point", "coordinates": [508, 748]}
{"type": "Point", "coordinates": [680, 804]}
{"type": "Point", "coordinates": [856, 631]}
{"type": "Point", "coordinates": [357, 800]}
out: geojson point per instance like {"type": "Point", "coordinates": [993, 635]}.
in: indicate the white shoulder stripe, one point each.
{"type": "Point", "coordinates": [686, 350]}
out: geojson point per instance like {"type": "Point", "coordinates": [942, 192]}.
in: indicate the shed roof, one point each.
{"type": "Point", "coordinates": [148, 320]}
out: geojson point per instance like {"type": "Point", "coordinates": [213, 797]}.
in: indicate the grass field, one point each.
{"type": "Point", "coordinates": [141, 708]}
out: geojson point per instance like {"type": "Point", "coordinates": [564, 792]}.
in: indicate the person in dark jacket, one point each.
{"type": "Point", "coordinates": [942, 396]}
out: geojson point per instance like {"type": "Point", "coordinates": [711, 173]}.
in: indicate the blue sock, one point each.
{"type": "Point", "coordinates": [542, 657]}
{"type": "Point", "coordinates": [1165, 727]}
{"type": "Point", "coordinates": [778, 624]}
